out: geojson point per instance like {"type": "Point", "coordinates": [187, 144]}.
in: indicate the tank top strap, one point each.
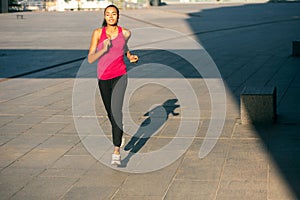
{"type": "Point", "coordinates": [103, 34]}
{"type": "Point", "coordinates": [120, 29]}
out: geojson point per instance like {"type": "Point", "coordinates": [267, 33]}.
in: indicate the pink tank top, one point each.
{"type": "Point", "coordinates": [111, 64]}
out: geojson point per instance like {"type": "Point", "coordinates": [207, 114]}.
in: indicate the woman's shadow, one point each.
{"type": "Point", "coordinates": [155, 120]}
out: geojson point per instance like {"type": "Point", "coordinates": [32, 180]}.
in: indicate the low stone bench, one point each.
{"type": "Point", "coordinates": [19, 16]}
{"type": "Point", "coordinates": [258, 105]}
{"type": "Point", "coordinates": [296, 48]}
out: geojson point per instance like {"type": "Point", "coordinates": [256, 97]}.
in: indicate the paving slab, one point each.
{"type": "Point", "coordinates": [43, 157]}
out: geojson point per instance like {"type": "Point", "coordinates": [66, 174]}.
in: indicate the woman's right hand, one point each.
{"type": "Point", "coordinates": [106, 44]}
{"type": "Point", "coordinates": [93, 53]}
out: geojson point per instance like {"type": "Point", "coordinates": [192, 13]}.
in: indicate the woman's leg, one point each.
{"type": "Point", "coordinates": [105, 87]}
{"type": "Point", "coordinates": [119, 87]}
{"type": "Point", "coordinates": [112, 93]}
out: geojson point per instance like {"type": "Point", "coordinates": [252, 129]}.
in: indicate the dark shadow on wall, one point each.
{"type": "Point", "coordinates": [251, 46]}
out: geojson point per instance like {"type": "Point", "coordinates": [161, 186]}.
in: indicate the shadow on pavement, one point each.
{"type": "Point", "coordinates": [66, 63]}
{"type": "Point", "coordinates": [22, 62]}
{"type": "Point", "coordinates": [255, 50]}
{"type": "Point", "coordinates": [155, 120]}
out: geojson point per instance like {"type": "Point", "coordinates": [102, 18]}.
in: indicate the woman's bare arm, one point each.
{"type": "Point", "coordinates": [132, 58]}
{"type": "Point", "coordinates": [93, 53]}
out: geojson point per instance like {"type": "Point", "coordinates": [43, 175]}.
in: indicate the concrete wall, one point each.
{"type": "Point", "coordinates": [3, 6]}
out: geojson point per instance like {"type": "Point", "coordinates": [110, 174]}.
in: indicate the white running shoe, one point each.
{"type": "Point", "coordinates": [116, 159]}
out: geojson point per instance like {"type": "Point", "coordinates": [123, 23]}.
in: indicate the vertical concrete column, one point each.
{"type": "Point", "coordinates": [3, 6]}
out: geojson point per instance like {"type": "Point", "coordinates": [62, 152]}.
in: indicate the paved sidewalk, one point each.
{"type": "Point", "coordinates": [43, 157]}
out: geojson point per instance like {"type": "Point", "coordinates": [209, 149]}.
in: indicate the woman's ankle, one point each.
{"type": "Point", "coordinates": [117, 150]}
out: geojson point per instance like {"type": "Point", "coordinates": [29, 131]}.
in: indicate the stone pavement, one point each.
{"type": "Point", "coordinates": [43, 157]}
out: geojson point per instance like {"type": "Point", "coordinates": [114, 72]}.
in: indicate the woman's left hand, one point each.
{"type": "Point", "coordinates": [133, 58]}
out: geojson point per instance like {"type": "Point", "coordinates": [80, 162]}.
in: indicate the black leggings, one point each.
{"type": "Point", "coordinates": [112, 92]}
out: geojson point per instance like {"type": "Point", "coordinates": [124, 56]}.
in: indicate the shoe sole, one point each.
{"type": "Point", "coordinates": [115, 163]}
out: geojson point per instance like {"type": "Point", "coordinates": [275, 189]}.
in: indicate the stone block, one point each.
{"type": "Point", "coordinates": [258, 105]}
{"type": "Point", "coordinates": [296, 48]}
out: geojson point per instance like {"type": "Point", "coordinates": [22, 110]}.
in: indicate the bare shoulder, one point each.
{"type": "Point", "coordinates": [97, 31]}
{"type": "Point", "coordinates": [126, 33]}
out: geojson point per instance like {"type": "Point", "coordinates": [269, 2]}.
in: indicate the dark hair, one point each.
{"type": "Point", "coordinates": [110, 6]}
